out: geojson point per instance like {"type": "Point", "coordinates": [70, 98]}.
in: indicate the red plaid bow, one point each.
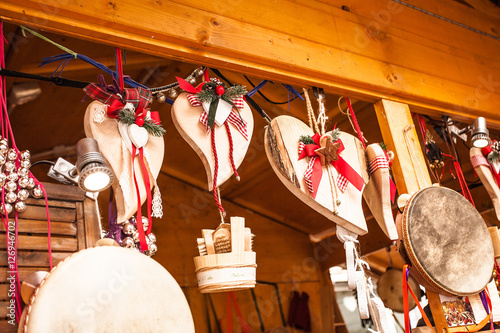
{"type": "Point", "coordinates": [382, 162]}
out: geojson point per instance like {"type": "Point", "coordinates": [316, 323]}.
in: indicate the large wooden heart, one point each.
{"type": "Point", "coordinates": [281, 143]}
{"type": "Point", "coordinates": [119, 158]}
{"type": "Point", "coordinates": [186, 119]}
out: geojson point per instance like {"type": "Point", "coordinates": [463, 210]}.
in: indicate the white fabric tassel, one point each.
{"type": "Point", "coordinates": [362, 293]}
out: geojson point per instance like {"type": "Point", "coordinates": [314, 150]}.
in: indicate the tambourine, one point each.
{"type": "Point", "coordinates": [107, 289]}
{"type": "Point", "coordinates": [446, 242]}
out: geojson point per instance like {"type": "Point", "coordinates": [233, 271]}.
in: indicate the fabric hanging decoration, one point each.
{"type": "Point", "coordinates": [221, 105]}
{"type": "Point", "coordinates": [129, 107]}
{"type": "Point", "coordinates": [17, 184]}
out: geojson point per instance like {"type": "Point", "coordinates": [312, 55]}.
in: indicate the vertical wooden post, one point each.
{"type": "Point", "coordinates": [399, 134]}
{"type": "Point", "coordinates": [410, 174]}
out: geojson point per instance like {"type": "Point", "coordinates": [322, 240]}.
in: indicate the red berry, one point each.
{"type": "Point", "coordinates": [220, 90]}
{"type": "Point", "coordinates": [139, 121]}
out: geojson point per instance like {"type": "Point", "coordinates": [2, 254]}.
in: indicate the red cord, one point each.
{"type": "Point", "coordinates": [119, 67]}
{"type": "Point", "coordinates": [231, 150]}
{"type": "Point", "coordinates": [216, 171]}
{"type": "Point", "coordinates": [355, 121]}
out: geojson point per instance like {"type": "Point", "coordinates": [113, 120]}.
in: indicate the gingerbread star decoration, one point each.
{"type": "Point", "coordinates": [328, 151]}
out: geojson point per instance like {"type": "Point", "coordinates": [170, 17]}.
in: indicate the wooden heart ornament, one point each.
{"type": "Point", "coordinates": [117, 150]}
{"type": "Point", "coordinates": [377, 192]}
{"type": "Point", "coordinates": [186, 119]}
{"type": "Point", "coordinates": [281, 143]}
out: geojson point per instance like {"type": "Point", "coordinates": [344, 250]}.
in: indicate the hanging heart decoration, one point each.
{"type": "Point", "coordinates": [332, 177]}
{"type": "Point", "coordinates": [130, 138]}
{"type": "Point", "coordinates": [380, 190]}
{"type": "Point", "coordinates": [212, 106]}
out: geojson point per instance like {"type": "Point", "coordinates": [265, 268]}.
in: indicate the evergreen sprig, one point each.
{"type": "Point", "coordinates": [306, 139]}
{"type": "Point", "coordinates": [383, 145]}
{"type": "Point", "coordinates": [494, 156]}
{"type": "Point", "coordinates": [335, 134]}
{"type": "Point", "coordinates": [127, 116]}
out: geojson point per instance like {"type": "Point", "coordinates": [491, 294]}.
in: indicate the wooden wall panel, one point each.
{"type": "Point", "coordinates": [284, 255]}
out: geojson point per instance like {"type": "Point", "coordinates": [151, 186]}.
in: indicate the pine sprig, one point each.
{"type": "Point", "coordinates": [335, 134]}
{"type": "Point", "coordinates": [127, 116]}
{"type": "Point", "coordinates": [207, 96]}
{"type": "Point", "coordinates": [383, 146]}
{"type": "Point", "coordinates": [493, 157]}
{"type": "Point", "coordinates": [306, 139]}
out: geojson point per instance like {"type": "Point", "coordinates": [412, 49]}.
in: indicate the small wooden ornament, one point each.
{"type": "Point", "coordinates": [281, 143]}
{"type": "Point", "coordinates": [377, 194]}
{"type": "Point", "coordinates": [328, 151]}
{"type": "Point", "coordinates": [138, 135]}
{"type": "Point", "coordinates": [186, 119]}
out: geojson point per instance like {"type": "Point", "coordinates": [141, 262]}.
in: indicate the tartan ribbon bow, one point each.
{"type": "Point", "coordinates": [138, 97]}
{"type": "Point", "coordinates": [314, 170]}
{"type": "Point", "coordinates": [234, 118]}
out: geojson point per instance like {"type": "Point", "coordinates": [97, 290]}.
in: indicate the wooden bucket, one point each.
{"type": "Point", "coordinates": [231, 271]}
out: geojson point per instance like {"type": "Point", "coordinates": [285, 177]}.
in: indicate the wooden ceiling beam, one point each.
{"type": "Point", "coordinates": [343, 52]}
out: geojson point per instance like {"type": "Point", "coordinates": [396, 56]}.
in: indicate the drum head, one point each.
{"type": "Point", "coordinates": [447, 241]}
{"type": "Point", "coordinates": [108, 289]}
{"type": "Point", "coordinates": [390, 290]}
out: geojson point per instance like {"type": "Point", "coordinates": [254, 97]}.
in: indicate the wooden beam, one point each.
{"type": "Point", "coordinates": [337, 50]}
{"type": "Point", "coordinates": [398, 131]}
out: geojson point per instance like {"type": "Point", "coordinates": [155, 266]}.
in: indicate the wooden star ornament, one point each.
{"type": "Point", "coordinates": [328, 151]}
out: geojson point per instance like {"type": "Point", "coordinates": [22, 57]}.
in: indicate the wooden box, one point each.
{"type": "Point", "coordinates": [74, 226]}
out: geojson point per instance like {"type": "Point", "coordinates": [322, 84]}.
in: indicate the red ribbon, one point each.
{"type": "Point", "coordinates": [114, 108]}
{"type": "Point", "coordinates": [347, 171]}
{"type": "Point", "coordinates": [186, 86]}
{"type": "Point", "coordinates": [145, 176]}
{"type": "Point", "coordinates": [314, 171]}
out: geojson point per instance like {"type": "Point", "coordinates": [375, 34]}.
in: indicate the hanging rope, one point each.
{"type": "Point", "coordinates": [355, 122]}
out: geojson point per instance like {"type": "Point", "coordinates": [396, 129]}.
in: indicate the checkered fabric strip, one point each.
{"type": "Point", "coordinates": [233, 118]}
{"type": "Point", "coordinates": [377, 163]}
{"type": "Point", "coordinates": [342, 182]}
{"type": "Point", "coordinates": [308, 174]}
{"type": "Point", "coordinates": [239, 102]}
{"type": "Point", "coordinates": [478, 160]}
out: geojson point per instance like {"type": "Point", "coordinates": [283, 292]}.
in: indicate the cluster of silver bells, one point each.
{"type": "Point", "coordinates": [15, 178]}
{"type": "Point", "coordinates": [132, 241]}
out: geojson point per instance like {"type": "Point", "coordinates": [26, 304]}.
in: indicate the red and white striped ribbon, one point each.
{"type": "Point", "coordinates": [234, 118]}
{"type": "Point", "coordinates": [379, 162]}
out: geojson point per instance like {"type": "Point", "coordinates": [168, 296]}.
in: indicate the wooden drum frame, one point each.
{"type": "Point", "coordinates": [446, 242]}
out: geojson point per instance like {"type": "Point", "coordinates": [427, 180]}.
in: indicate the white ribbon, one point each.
{"type": "Point", "coordinates": [362, 293]}
{"type": "Point", "coordinates": [349, 238]}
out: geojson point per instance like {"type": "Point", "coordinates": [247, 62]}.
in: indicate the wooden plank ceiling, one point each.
{"type": "Point", "coordinates": [51, 125]}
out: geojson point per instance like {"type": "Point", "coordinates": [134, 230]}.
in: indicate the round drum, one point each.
{"type": "Point", "coordinates": [446, 242]}
{"type": "Point", "coordinates": [108, 289]}
{"type": "Point", "coordinates": [390, 291]}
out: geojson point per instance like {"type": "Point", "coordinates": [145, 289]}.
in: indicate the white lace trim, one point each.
{"type": "Point", "coordinates": [99, 113]}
